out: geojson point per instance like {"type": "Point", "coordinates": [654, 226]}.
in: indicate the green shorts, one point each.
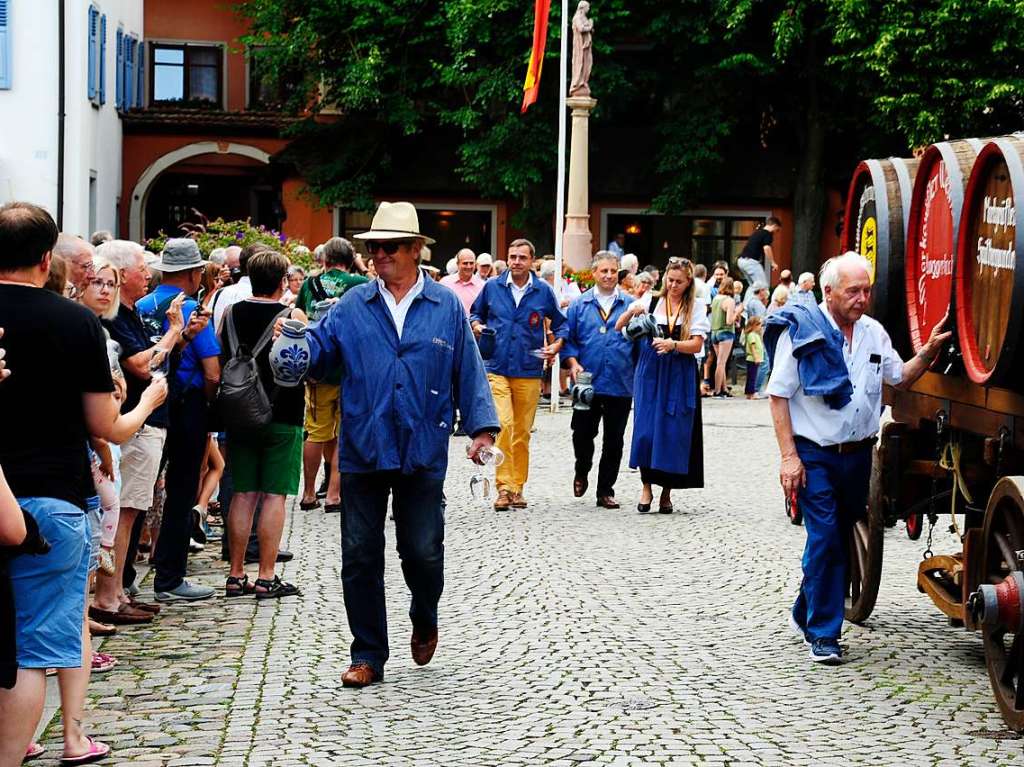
{"type": "Point", "coordinates": [268, 460]}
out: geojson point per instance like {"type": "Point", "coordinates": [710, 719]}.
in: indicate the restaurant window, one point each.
{"type": "Point", "coordinates": [719, 239]}
{"type": "Point", "coordinates": [187, 75]}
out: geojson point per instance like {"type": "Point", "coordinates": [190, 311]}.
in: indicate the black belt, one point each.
{"type": "Point", "coordinates": [843, 448]}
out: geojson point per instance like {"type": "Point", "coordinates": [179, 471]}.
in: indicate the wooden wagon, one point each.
{"type": "Point", "coordinates": [952, 452]}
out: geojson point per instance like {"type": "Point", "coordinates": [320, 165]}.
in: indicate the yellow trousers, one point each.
{"type": "Point", "coordinates": [516, 402]}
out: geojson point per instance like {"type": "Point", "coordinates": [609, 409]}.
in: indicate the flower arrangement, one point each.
{"type": "Point", "coordinates": [584, 278]}
{"type": "Point", "coordinates": [219, 233]}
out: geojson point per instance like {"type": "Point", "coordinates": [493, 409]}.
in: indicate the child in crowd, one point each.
{"type": "Point", "coordinates": [754, 348]}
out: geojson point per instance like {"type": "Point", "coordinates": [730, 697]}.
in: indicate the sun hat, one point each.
{"type": "Point", "coordinates": [179, 255]}
{"type": "Point", "coordinates": [395, 221]}
{"type": "Point", "coordinates": [484, 259]}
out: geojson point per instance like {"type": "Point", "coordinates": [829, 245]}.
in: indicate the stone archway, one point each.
{"type": "Point", "coordinates": [136, 215]}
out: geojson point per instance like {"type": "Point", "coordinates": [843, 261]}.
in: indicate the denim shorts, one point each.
{"type": "Point", "coordinates": [720, 336]}
{"type": "Point", "coordinates": [49, 590]}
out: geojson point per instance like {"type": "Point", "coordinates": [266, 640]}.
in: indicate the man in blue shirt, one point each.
{"type": "Point", "coordinates": [592, 345]}
{"type": "Point", "coordinates": [407, 357]}
{"type": "Point", "coordinates": [193, 380]}
{"type": "Point", "coordinates": [515, 307]}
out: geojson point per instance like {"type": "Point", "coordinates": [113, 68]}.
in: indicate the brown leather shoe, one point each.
{"type": "Point", "coordinates": [126, 616]}
{"type": "Point", "coordinates": [359, 675]}
{"type": "Point", "coordinates": [423, 643]}
{"type": "Point", "coordinates": [518, 502]}
{"type": "Point", "coordinates": [504, 501]}
{"type": "Point", "coordinates": [608, 502]}
{"type": "Point", "coordinates": [145, 607]}
{"type": "Point", "coordinates": [579, 486]}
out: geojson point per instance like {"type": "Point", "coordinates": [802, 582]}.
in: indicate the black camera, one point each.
{"type": "Point", "coordinates": [641, 326]}
{"type": "Point", "coordinates": [583, 391]}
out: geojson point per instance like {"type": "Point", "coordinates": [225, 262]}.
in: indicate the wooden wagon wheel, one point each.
{"type": "Point", "coordinates": [1003, 554]}
{"type": "Point", "coordinates": [864, 571]}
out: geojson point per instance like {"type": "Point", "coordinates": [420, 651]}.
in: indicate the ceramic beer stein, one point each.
{"type": "Point", "coordinates": [289, 356]}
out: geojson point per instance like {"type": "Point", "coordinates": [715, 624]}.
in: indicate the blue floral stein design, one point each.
{"type": "Point", "coordinates": [289, 356]}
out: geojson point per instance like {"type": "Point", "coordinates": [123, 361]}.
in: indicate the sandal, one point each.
{"type": "Point", "coordinates": [107, 565]}
{"type": "Point", "coordinates": [34, 751]}
{"type": "Point", "coordinates": [309, 505]}
{"type": "Point", "coordinates": [238, 587]}
{"type": "Point", "coordinates": [96, 752]}
{"type": "Point", "coordinates": [101, 662]}
{"type": "Point", "coordinates": [275, 589]}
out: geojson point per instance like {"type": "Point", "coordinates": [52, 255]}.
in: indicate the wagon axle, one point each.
{"type": "Point", "coordinates": [999, 605]}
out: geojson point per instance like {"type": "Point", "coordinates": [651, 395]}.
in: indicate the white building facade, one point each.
{"type": "Point", "coordinates": [103, 75]}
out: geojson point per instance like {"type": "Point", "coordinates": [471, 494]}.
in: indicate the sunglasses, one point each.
{"type": "Point", "coordinates": [390, 247]}
{"type": "Point", "coordinates": [677, 260]}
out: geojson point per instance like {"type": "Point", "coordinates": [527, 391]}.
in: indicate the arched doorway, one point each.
{"type": "Point", "coordinates": [215, 179]}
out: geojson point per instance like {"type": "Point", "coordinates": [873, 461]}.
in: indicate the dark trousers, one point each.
{"type": "Point", "coordinates": [751, 385]}
{"type": "Point", "coordinates": [226, 492]}
{"type": "Point", "coordinates": [614, 411]}
{"type": "Point", "coordinates": [186, 446]}
{"type": "Point", "coordinates": [418, 505]}
{"type": "Point", "coordinates": [833, 498]}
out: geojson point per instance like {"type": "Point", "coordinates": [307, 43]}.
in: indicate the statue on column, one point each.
{"type": "Point", "coordinates": [582, 52]}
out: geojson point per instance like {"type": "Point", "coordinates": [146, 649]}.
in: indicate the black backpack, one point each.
{"type": "Point", "coordinates": [242, 401]}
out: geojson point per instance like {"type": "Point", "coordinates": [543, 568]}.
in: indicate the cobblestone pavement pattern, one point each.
{"type": "Point", "coordinates": [569, 636]}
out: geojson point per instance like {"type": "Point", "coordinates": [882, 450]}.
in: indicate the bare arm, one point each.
{"type": "Point", "coordinates": [626, 316]}
{"type": "Point", "coordinates": [128, 423]}
{"type": "Point", "coordinates": [733, 309]}
{"type": "Point", "coordinates": [101, 411]}
{"type": "Point", "coordinates": [791, 472]}
{"type": "Point", "coordinates": [918, 365]}
{"type": "Point", "coordinates": [211, 376]}
{"type": "Point", "coordinates": [12, 523]}
{"type": "Point", "coordinates": [769, 259]}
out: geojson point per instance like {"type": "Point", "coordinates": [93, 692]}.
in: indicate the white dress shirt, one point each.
{"type": "Point", "coordinates": [399, 309]}
{"type": "Point", "coordinates": [870, 361]}
{"type": "Point", "coordinates": [230, 295]}
{"type": "Point", "coordinates": [518, 292]}
{"type": "Point", "coordinates": [606, 302]}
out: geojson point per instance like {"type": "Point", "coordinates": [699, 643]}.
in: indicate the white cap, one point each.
{"type": "Point", "coordinates": [484, 259]}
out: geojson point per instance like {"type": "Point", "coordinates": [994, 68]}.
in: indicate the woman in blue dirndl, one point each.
{"type": "Point", "coordinates": [668, 445]}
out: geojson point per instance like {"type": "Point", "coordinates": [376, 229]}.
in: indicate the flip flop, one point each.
{"type": "Point", "coordinates": [34, 751]}
{"type": "Point", "coordinates": [96, 752]}
{"type": "Point", "coordinates": [309, 505]}
{"type": "Point", "coordinates": [332, 508]}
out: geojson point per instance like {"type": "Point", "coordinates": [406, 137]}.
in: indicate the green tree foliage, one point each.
{"type": "Point", "coordinates": [825, 81]}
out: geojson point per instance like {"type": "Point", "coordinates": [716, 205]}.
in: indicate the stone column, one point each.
{"type": "Point", "coordinates": [577, 247]}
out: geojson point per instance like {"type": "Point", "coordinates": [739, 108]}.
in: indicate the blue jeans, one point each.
{"type": "Point", "coordinates": [418, 504]}
{"type": "Point", "coordinates": [762, 375]}
{"type": "Point", "coordinates": [834, 497]}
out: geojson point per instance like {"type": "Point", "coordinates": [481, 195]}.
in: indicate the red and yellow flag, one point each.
{"type": "Point", "coordinates": [540, 39]}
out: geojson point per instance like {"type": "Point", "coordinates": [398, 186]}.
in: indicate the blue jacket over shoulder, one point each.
{"type": "Point", "coordinates": [519, 329]}
{"type": "Point", "coordinates": [607, 355]}
{"type": "Point", "coordinates": [818, 349]}
{"type": "Point", "coordinates": [398, 396]}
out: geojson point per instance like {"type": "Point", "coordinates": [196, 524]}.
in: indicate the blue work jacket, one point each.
{"type": "Point", "coordinates": [519, 329]}
{"type": "Point", "coordinates": [398, 396]}
{"type": "Point", "coordinates": [608, 355]}
{"type": "Point", "coordinates": [818, 349]}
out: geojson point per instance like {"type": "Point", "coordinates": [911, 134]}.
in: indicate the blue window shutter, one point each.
{"type": "Point", "coordinates": [140, 75]}
{"type": "Point", "coordinates": [129, 56]}
{"type": "Point", "coordinates": [119, 72]}
{"type": "Point", "coordinates": [103, 59]}
{"type": "Point", "coordinates": [5, 44]}
{"type": "Point", "coordinates": [93, 53]}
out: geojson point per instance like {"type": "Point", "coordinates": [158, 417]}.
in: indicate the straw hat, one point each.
{"type": "Point", "coordinates": [395, 221]}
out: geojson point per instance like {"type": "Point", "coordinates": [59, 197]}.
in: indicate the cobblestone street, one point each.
{"type": "Point", "coordinates": [568, 635]}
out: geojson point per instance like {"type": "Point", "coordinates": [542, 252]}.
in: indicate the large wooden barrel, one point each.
{"type": "Point", "coordinates": [989, 283]}
{"type": "Point", "coordinates": [877, 211]}
{"type": "Point", "coordinates": [935, 207]}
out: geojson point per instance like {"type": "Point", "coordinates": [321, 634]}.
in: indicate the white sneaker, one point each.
{"type": "Point", "coordinates": [194, 546]}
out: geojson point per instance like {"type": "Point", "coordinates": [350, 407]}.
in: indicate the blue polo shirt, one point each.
{"type": "Point", "coordinates": [189, 374]}
{"type": "Point", "coordinates": [518, 329]}
{"type": "Point", "coordinates": [607, 355]}
{"type": "Point", "coordinates": [399, 394]}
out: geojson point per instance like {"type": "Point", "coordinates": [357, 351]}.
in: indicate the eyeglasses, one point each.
{"type": "Point", "coordinates": [100, 284]}
{"type": "Point", "coordinates": [389, 247]}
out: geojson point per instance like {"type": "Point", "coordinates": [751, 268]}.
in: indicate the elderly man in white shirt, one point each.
{"type": "Point", "coordinates": [826, 452]}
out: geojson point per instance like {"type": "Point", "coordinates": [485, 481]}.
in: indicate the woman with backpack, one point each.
{"type": "Point", "coordinates": [266, 458]}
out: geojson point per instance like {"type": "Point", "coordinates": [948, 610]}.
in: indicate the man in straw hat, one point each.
{"type": "Point", "coordinates": [407, 355]}
{"type": "Point", "coordinates": [193, 382]}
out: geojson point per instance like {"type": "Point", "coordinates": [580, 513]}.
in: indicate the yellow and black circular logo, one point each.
{"type": "Point", "coordinates": [869, 242]}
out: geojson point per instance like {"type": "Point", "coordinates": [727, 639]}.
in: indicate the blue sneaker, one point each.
{"type": "Point", "coordinates": [826, 651]}
{"type": "Point", "coordinates": [796, 628]}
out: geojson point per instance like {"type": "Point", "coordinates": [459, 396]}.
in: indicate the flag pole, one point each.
{"type": "Point", "coordinates": [563, 86]}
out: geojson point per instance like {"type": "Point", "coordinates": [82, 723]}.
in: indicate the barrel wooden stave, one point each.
{"type": "Point", "coordinates": [989, 282]}
{"type": "Point", "coordinates": [932, 232]}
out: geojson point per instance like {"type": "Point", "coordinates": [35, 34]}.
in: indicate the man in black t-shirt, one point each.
{"type": "Point", "coordinates": [62, 382]}
{"type": "Point", "coordinates": [757, 260]}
